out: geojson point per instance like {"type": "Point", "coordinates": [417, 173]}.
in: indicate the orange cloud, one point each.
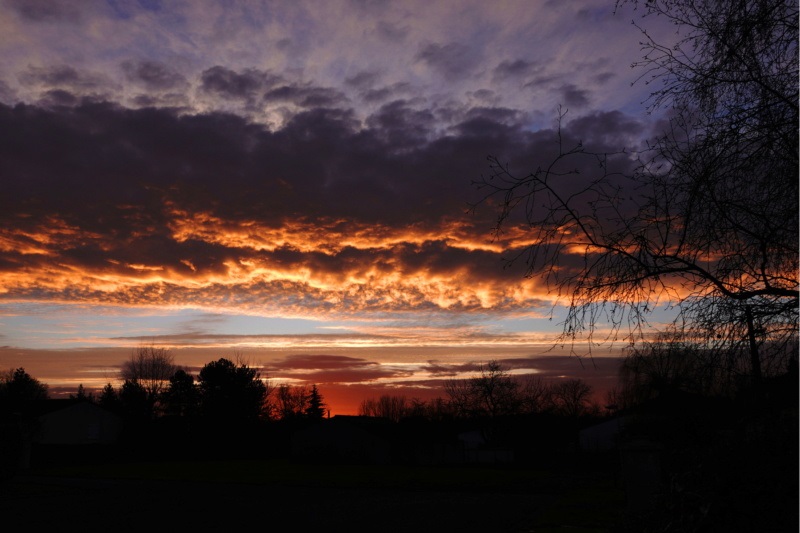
{"type": "Point", "coordinates": [325, 266]}
{"type": "Point", "coordinates": [328, 235]}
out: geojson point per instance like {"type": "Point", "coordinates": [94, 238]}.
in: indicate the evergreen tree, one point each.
{"type": "Point", "coordinates": [20, 392]}
{"type": "Point", "coordinates": [181, 397]}
{"type": "Point", "coordinates": [231, 391]}
{"type": "Point", "coordinates": [109, 398]}
{"type": "Point", "coordinates": [135, 401]}
{"type": "Point", "coordinates": [315, 409]}
{"type": "Point", "coordinates": [82, 395]}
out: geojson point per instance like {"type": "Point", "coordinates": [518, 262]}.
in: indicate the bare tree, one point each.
{"type": "Point", "coordinates": [289, 401]}
{"type": "Point", "coordinates": [388, 406]}
{"type": "Point", "coordinates": [668, 364]}
{"type": "Point", "coordinates": [571, 398]}
{"type": "Point", "coordinates": [536, 394]}
{"type": "Point", "coordinates": [397, 408]}
{"type": "Point", "coordinates": [707, 221]}
{"type": "Point", "coordinates": [493, 392]}
{"type": "Point", "coordinates": [149, 367]}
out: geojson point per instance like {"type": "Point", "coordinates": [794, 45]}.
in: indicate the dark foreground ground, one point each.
{"type": "Point", "coordinates": [232, 496]}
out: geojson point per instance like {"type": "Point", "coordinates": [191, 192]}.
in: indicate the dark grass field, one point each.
{"type": "Point", "coordinates": [234, 495]}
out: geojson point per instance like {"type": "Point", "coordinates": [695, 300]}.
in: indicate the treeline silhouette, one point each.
{"type": "Point", "coordinates": [228, 409]}
{"type": "Point", "coordinates": [725, 444]}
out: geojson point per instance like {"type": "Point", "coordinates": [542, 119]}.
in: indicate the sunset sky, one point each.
{"type": "Point", "coordinates": [289, 182]}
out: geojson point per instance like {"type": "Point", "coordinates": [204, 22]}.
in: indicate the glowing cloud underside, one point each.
{"type": "Point", "coordinates": [300, 267]}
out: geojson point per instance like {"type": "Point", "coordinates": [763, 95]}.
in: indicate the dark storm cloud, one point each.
{"type": "Point", "coordinates": [64, 76]}
{"type": "Point", "coordinates": [153, 75]}
{"type": "Point", "coordinates": [604, 77]}
{"type": "Point", "coordinates": [363, 80]}
{"type": "Point", "coordinates": [573, 96]}
{"type": "Point", "coordinates": [168, 100]}
{"type": "Point", "coordinates": [543, 82]}
{"type": "Point", "coordinates": [168, 208]}
{"type": "Point", "coordinates": [243, 85]}
{"type": "Point", "coordinates": [381, 94]}
{"type": "Point", "coordinates": [610, 130]}
{"type": "Point", "coordinates": [452, 60]}
{"type": "Point", "coordinates": [306, 96]}
{"type": "Point", "coordinates": [486, 95]}
{"type": "Point", "coordinates": [320, 164]}
{"type": "Point", "coordinates": [366, 84]}
{"type": "Point", "coordinates": [401, 125]}
{"type": "Point", "coordinates": [7, 94]}
{"type": "Point", "coordinates": [58, 97]}
{"type": "Point", "coordinates": [489, 118]}
{"type": "Point", "coordinates": [516, 69]}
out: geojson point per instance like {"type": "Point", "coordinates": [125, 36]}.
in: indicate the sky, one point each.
{"type": "Point", "coordinates": [289, 184]}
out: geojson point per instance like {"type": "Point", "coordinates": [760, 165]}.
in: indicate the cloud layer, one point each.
{"type": "Point", "coordinates": [299, 158]}
{"type": "Point", "coordinates": [269, 61]}
{"type": "Point", "coordinates": [345, 379]}
{"type": "Point", "coordinates": [326, 215]}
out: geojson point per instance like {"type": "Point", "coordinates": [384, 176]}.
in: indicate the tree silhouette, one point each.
{"type": "Point", "coordinates": [81, 395]}
{"type": "Point", "coordinates": [391, 407]}
{"type": "Point", "coordinates": [571, 398]}
{"type": "Point", "coordinates": [399, 407]}
{"type": "Point", "coordinates": [493, 392]}
{"type": "Point", "coordinates": [708, 220]}
{"type": "Point", "coordinates": [109, 398]}
{"type": "Point", "coordinates": [231, 391]}
{"type": "Point", "coordinates": [289, 402]}
{"type": "Point", "coordinates": [150, 367]}
{"type": "Point", "coordinates": [669, 364]}
{"type": "Point", "coordinates": [135, 402]}
{"type": "Point", "coordinates": [20, 393]}
{"type": "Point", "coordinates": [20, 397]}
{"type": "Point", "coordinates": [315, 409]}
{"type": "Point", "coordinates": [181, 398]}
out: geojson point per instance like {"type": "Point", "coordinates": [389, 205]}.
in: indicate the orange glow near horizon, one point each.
{"type": "Point", "coordinates": [347, 376]}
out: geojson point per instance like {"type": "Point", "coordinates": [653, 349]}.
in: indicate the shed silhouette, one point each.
{"type": "Point", "coordinates": [79, 423]}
